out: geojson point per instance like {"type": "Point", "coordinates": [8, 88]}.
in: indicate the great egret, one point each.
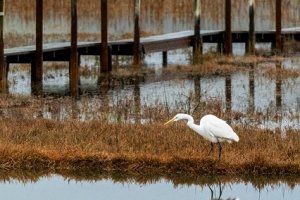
{"type": "Point", "coordinates": [211, 128]}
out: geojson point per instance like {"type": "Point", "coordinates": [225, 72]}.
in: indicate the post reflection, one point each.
{"type": "Point", "coordinates": [104, 86]}
{"type": "Point", "coordinates": [251, 88]}
{"type": "Point", "coordinates": [137, 99]}
{"type": "Point", "coordinates": [228, 95]}
{"type": "Point", "coordinates": [278, 87]}
{"type": "Point", "coordinates": [197, 87]}
{"type": "Point", "coordinates": [3, 87]}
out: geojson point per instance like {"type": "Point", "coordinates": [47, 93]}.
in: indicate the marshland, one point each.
{"type": "Point", "coordinates": [112, 139]}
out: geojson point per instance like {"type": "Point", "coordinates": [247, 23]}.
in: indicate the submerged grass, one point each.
{"type": "Point", "coordinates": [142, 148]}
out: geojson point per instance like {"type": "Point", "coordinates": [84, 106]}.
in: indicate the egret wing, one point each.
{"type": "Point", "coordinates": [218, 128]}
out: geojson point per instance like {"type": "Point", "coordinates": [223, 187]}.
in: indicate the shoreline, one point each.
{"type": "Point", "coordinates": [137, 148]}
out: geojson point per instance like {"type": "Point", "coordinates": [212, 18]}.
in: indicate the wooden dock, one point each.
{"type": "Point", "coordinates": [71, 51]}
{"type": "Point", "coordinates": [152, 44]}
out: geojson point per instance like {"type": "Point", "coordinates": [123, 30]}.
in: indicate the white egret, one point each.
{"type": "Point", "coordinates": [211, 128]}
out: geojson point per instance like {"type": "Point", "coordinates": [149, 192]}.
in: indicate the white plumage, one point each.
{"type": "Point", "coordinates": [211, 128]}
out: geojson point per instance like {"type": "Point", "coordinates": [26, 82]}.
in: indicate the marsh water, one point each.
{"type": "Point", "coordinates": [57, 187]}
{"type": "Point", "coordinates": [249, 92]}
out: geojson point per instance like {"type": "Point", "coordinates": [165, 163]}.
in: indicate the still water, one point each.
{"type": "Point", "coordinates": [56, 187]}
{"type": "Point", "coordinates": [158, 89]}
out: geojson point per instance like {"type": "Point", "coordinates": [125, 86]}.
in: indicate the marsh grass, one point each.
{"type": "Point", "coordinates": [113, 136]}
{"type": "Point", "coordinates": [141, 148]}
{"type": "Point", "coordinates": [92, 135]}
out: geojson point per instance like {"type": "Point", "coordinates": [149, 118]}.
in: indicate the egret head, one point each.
{"type": "Point", "coordinates": [176, 118]}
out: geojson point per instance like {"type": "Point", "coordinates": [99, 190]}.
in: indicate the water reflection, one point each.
{"type": "Point", "coordinates": [128, 97]}
{"type": "Point", "coordinates": [118, 186]}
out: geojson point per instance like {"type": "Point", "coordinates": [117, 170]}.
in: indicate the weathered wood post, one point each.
{"type": "Point", "coordinates": [37, 68]}
{"type": "Point", "coordinates": [251, 41]}
{"type": "Point", "coordinates": [73, 68]}
{"type": "Point", "coordinates": [104, 42]}
{"type": "Point", "coordinates": [2, 59]}
{"type": "Point", "coordinates": [278, 28]}
{"type": "Point", "coordinates": [197, 47]}
{"type": "Point", "coordinates": [228, 36]}
{"type": "Point", "coordinates": [136, 39]}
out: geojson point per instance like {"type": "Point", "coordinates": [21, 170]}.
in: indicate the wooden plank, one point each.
{"type": "Point", "coordinates": [167, 45]}
{"type": "Point", "coordinates": [158, 43]}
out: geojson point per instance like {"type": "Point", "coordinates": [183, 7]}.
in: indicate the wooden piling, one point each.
{"type": "Point", "coordinates": [73, 69]}
{"type": "Point", "coordinates": [136, 39]}
{"type": "Point", "coordinates": [251, 42]}
{"type": "Point", "coordinates": [278, 28]}
{"type": "Point", "coordinates": [2, 59]}
{"type": "Point", "coordinates": [38, 76]}
{"type": "Point", "coordinates": [197, 46]}
{"type": "Point", "coordinates": [104, 38]}
{"type": "Point", "coordinates": [228, 36]}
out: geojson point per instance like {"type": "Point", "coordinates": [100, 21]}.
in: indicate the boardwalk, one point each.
{"type": "Point", "coordinates": [152, 44]}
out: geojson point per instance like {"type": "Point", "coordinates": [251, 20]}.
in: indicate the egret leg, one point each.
{"type": "Point", "coordinates": [211, 192]}
{"type": "Point", "coordinates": [211, 148]}
{"type": "Point", "coordinates": [220, 150]}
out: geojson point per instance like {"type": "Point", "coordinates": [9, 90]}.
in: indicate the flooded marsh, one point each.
{"type": "Point", "coordinates": [111, 142]}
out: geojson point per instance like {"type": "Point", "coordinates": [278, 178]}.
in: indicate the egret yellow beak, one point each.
{"type": "Point", "coordinates": [170, 121]}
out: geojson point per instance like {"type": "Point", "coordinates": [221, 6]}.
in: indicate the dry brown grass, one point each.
{"type": "Point", "coordinates": [141, 148]}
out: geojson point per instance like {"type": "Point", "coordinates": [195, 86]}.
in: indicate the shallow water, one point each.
{"type": "Point", "coordinates": [158, 88]}
{"type": "Point", "coordinates": [57, 187]}
{"type": "Point", "coordinates": [267, 96]}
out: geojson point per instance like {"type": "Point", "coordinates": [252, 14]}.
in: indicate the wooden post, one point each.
{"type": "Point", "coordinates": [197, 48]}
{"type": "Point", "coordinates": [278, 28]}
{"type": "Point", "coordinates": [104, 42]}
{"type": "Point", "coordinates": [136, 40]}
{"type": "Point", "coordinates": [2, 59]}
{"type": "Point", "coordinates": [38, 71]}
{"type": "Point", "coordinates": [73, 69]}
{"type": "Point", "coordinates": [251, 42]}
{"type": "Point", "coordinates": [228, 36]}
